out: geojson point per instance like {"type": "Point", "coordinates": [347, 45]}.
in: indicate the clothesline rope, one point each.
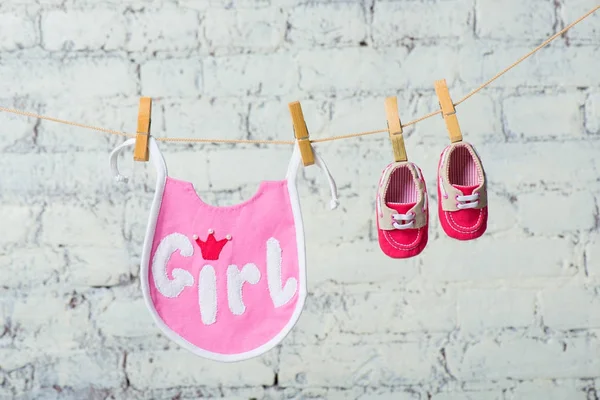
{"type": "Point", "coordinates": [326, 139]}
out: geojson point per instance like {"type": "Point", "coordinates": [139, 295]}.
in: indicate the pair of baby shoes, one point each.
{"type": "Point", "coordinates": [402, 207]}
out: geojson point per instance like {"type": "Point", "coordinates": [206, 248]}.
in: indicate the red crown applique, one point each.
{"type": "Point", "coordinates": [211, 248]}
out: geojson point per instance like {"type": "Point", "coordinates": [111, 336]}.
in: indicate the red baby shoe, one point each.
{"type": "Point", "coordinates": [402, 212]}
{"type": "Point", "coordinates": [462, 192]}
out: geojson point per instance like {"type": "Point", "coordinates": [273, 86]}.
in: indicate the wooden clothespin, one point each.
{"type": "Point", "coordinates": [301, 134]}
{"type": "Point", "coordinates": [395, 129]}
{"type": "Point", "coordinates": [140, 152]}
{"type": "Point", "coordinates": [448, 111]}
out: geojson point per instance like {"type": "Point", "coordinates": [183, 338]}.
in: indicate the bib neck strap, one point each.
{"type": "Point", "coordinates": [294, 165]}
{"type": "Point", "coordinates": [155, 157]}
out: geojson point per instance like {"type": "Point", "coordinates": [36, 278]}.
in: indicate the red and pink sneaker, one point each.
{"type": "Point", "coordinates": [402, 211]}
{"type": "Point", "coordinates": [462, 192]}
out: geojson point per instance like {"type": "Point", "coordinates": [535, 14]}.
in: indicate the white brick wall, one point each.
{"type": "Point", "coordinates": [513, 315]}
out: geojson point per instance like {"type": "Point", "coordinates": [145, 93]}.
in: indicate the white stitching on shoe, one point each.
{"type": "Point", "coordinates": [401, 246]}
{"type": "Point", "coordinates": [458, 227]}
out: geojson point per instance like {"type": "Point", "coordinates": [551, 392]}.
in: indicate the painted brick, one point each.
{"type": "Point", "coordinates": [172, 78]}
{"type": "Point", "coordinates": [17, 31]}
{"type": "Point", "coordinates": [31, 268]}
{"type": "Point", "coordinates": [480, 120]}
{"type": "Point", "coordinates": [241, 4]}
{"type": "Point", "coordinates": [91, 177]}
{"type": "Point", "coordinates": [487, 260]}
{"type": "Point", "coordinates": [350, 175]}
{"type": "Point", "coordinates": [97, 266]}
{"type": "Point", "coordinates": [531, 21]}
{"type": "Point", "coordinates": [78, 231]}
{"type": "Point", "coordinates": [319, 320]}
{"type": "Point", "coordinates": [163, 369]}
{"type": "Point", "coordinates": [127, 318]}
{"type": "Point", "coordinates": [57, 392]}
{"type": "Point", "coordinates": [242, 393]}
{"type": "Point", "coordinates": [511, 308]}
{"type": "Point", "coordinates": [162, 29]}
{"type": "Point", "coordinates": [503, 215]}
{"type": "Point", "coordinates": [468, 396]}
{"type": "Point", "coordinates": [322, 24]}
{"type": "Point", "coordinates": [29, 76]}
{"type": "Point", "coordinates": [337, 262]}
{"type": "Point", "coordinates": [572, 307]}
{"type": "Point", "coordinates": [252, 74]}
{"type": "Point", "coordinates": [236, 29]}
{"type": "Point", "coordinates": [393, 312]}
{"type": "Point", "coordinates": [579, 207]}
{"type": "Point", "coordinates": [116, 114]}
{"type": "Point", "coordinates": [80, 369]}
{"type": "Point", "coordinates": [328, 393]}
{"type": "Point", "coordinates": [592, 252]}
{"type": "Point", "coordinates": [395, 21]}
{"type": "Point", "coordinates": [543, 116]}
{"type": "Point", "coordinates": [15, 359]}
{"type": "Point", "coordinates": [529, 164]}
{"type": "Point", "coordinates": [44, 322]}
{"type": "Point", "coordinates": [592, 113]}
{"type": "Point", "coordinates": [21, 220]}
{"type": "Point", "coordinates": [548, 390]}
{"type": "Point", "coordinates": [555, 66]}
{"type": "Point", "coordinates": [76, 30]}
{"type": "Point", "coordinates": [525, 358]}
{"type": "Point", "coordinates": [342, 117]}
{"type": "Point", "coordinates": [16, 132]}
{"type": "Point", "coordinates": [586, 31]}
{"type": "Point", "coordinates": [385, 393]}
{"type": "Point", "coordinates": [221, 118]}
{"type": "Point", "coordinates": [257, 167]}
{"type": "Point", "coordinates": [137, 210]}
{"type": "Point", "coordinates": [270, 119]}
{"type": "Point", "coordinates": [366, 365]}
{"type": "Point", "coordinates": [352, 394]}
{"type": "Point", "coordinates": [386, 71]}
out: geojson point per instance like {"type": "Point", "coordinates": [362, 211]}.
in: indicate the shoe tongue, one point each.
{"type": "Point", "coordinates": [466, 190]}
{"type": "Point", "coordinates": [400, 208]}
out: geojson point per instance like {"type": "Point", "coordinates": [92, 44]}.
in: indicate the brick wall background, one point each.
{"type": "Point", "coordinates": [514, 315]}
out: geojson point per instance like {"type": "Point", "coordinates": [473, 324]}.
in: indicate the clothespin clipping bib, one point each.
{"type": "Point", "coordinates": [448, 111]}
{"type": "Point", "coordinates": [140, 152]}
{"type": "Point", "coordinates": [395, 129]}
{"type": "Point", "coordinates": [301, 134]}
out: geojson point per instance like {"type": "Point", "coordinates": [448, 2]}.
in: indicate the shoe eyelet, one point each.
{"type": "Point", "coordinates": [456, 197]}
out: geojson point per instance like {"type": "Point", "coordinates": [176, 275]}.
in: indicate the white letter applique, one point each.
{"type": "Point", "coordinates": [207, 294]}
{"type": "Point", "coordinates": [280, 293]}
{"type": "Point", "coordinates": [235, 284]}
{"type": "Point", "coordinates": [181, 278]}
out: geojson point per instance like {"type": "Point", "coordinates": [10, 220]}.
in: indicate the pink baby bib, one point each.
{"type": "Point", "coordinates": [227, 283]}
